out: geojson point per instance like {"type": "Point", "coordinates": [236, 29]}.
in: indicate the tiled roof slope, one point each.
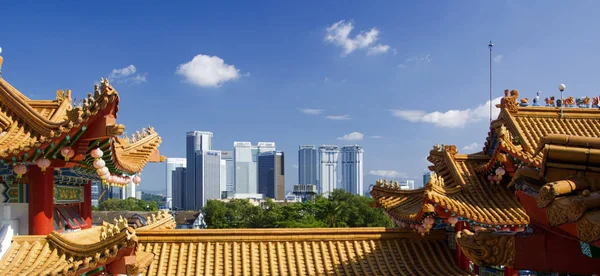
{"type": "Point", "coordinates": [348, 251]}
{"type": "Point", "coordinates": [530, 123]}
{"type": "Point", "coordinates": [457, 187]}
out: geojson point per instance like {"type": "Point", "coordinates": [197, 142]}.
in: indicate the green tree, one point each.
{"type": "Point", "coordinates": [129, 204]}
{"type": "Point", "coordinates": [340, 209]}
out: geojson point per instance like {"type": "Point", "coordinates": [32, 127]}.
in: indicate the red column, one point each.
{"type": "Point", "coordinates": [41, 200]}
{"type": "Point", "coordinates": [509, 271]}
{"type": "Point", "coordinates": [461, 259]}
{"type": "Point", "coordinates": [86, 205]}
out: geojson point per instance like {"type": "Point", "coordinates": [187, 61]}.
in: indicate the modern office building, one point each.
{"type": "Point", "coordinates": [271, 174]}
{"type": "Point", "coordinates": [426, 177]}
{"type": "Point", "coordinates": [307, 164]}
{"type": "Point", "coordinates": [223, 177]}
{"type": "Point", "coordinates": [328, 169]}
{"type": "Point", "coordinates": [195, 141]}
{"type": "Point", "coordinates": [227, 155]}
{"type": "Point", "coordinates": [352, 169]}
{"type": "Point", "coordinates": [172, 164]}
{"type": "Point", "coordinates": [408, 184]}
{"type": "Point", "coordinates": [208, 177]}
{"type": "Point", "coordinates": [178, 179]}
{"type": "Point", "coordinates": [245, 157]}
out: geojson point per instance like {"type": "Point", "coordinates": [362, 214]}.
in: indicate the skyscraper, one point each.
{"type": "Point", "coordinates": [178, 177]}
{"type": "Point", "coordinates": [271, 174]}
{"type": "Point", "coordinates": [223, 176]}
{"type": "Point", "coordinates": [172, 164]}
{"type": "Point", "coordinates": [195, 141]}
{"type": "Point", "coordinates": [426, 177]}
{"type": "Point", "coordinates": [227, 156]}
{"type": "Point", "coordinates": [245, 157]}
{"type": "Point", "coordinates": [328, 169]}
{"type": "Point", "coordinates": [352, 169]}
{"type": "Point", "coordinates": [208, 177]}
{"type": "Point", "coordinates": [307, 164]}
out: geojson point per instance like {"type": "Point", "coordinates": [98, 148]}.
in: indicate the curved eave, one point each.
{"type": "Point", "coordinates": [30, 125]}
{"type": "Point", "coordinates": [65, 254]}
{"type": "Point", "coordinates": [132, 155]}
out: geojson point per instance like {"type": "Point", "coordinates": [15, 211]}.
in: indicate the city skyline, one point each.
{"type": "Point", "coordinates": [323, 84]}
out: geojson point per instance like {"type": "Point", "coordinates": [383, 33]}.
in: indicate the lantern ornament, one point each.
{"type": "Point", "coordinates": [20, 169]}
{"type": "Point", "coordinates": [99, 163]}
{"type": "Point", "coordinates": [429, 221]}
{"type": "Point", "coordinates": [67, 152]}
{"type": "Point", "coordinates": [43, 163]}
{"type": "Point", "coordinates": [97, 153]}
{"type": "Point", "coordinates": [136, 179]}
{"type": "Point", "coordinates": [452, 221]}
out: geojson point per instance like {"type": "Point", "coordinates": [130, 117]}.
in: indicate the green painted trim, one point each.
{"type": "Point", "coordinates": [36, 155]}
{"type": "Point", "coordinates": [49, 149]}
{"type": "Point", "coordinates": [25, 157]}
{"type": "Point", "coordinates": [56, 149]}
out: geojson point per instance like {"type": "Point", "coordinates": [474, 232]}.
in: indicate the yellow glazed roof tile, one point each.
{"type": "Point", "coordinates": [344, 251]}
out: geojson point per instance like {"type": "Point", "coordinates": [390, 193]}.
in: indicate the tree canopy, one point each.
{"type": "Point", "coordinates": [340, 209]}
{"type": "Point", "coordinates": [129, 204]}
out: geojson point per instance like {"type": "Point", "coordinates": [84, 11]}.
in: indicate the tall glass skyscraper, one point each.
{"type": "Point", "coordinates": [307, 164]}
{"type": "Point", "coordinates": [328, 169]}
{"type": "Point", "coordinates": [172, 164]}
{"type": "Point", "coordinates": [352, 169]}
{"type": "Point", "coordinates": [271, 174]}
{"type": "Point", "coordinates": [195, 141]}
{"type": "Point", "coordinates": [178, 175]}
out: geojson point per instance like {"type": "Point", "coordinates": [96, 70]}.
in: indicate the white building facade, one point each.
{"type": "Point", "coordinates": [227, 156]}
{"type": "Point", "coordinates": [328, 169]}
{"type": "Point", "coordinates": [172, 164]}
{"type": "Point", "coordinates": [352, 169]}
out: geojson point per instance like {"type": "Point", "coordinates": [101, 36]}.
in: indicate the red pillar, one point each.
{"type": "Point", "coordinates": [86, 205]}
{"type": "Point", "coordinates": [41, 200]}
{"type": "Point", "coordinates": [461, 259]}
{"type": "Point", "coordinates": [509, 271]}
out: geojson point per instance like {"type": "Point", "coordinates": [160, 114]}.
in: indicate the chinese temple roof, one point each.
{"type": "Point", "coordinates": [160, 250]}
{"type": "Point", "coordinates": [34, 129]}
{"type": "Point", "coordinates": [455, 188]}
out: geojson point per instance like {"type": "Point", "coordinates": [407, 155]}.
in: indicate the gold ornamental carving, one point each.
{"type": "Point", "coordinates": [486, 249]}
{"type": "Point", "coordinates": [115, 130]}
{"type": "Point", "coordinates": [588, 230]}
{"type": "Point", "coordinates": [509, 102]}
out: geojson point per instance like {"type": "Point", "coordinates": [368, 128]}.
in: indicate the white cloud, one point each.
{"type": "Point", "coordinates": [353, 136]}
{"type": "Point", "coordinates": [338, 117]}
{"type": "Point", "coordinates": [376, 137]}
{"type": "Point", "coordinates": [207, 71]}
{"type": "Point", "coordinates": [471, 147]}
{"type": "Point", "coordinates": [127, 75]}
{"type": "Point", "coordinates": [311, 111]}
{"type": "Point", "coordinates": [450, 118]}
{"type": "Point", "coordinates": [426, 58]}
{"type": "Point", "coordinates": [339, 34]}
{"type": "Point", "coordinates": [388, 173]}
{"type": "Point", "coordinates": [379, 49]}
{"type": "Point", "coordinates": [498, 59]}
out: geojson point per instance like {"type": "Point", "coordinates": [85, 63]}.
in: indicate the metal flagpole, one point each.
{"type": "Point", "coordinates": [490, 46]}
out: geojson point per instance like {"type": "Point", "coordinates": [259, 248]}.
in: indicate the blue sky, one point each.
{"type": "Point", "coordinates": [247, 70]}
